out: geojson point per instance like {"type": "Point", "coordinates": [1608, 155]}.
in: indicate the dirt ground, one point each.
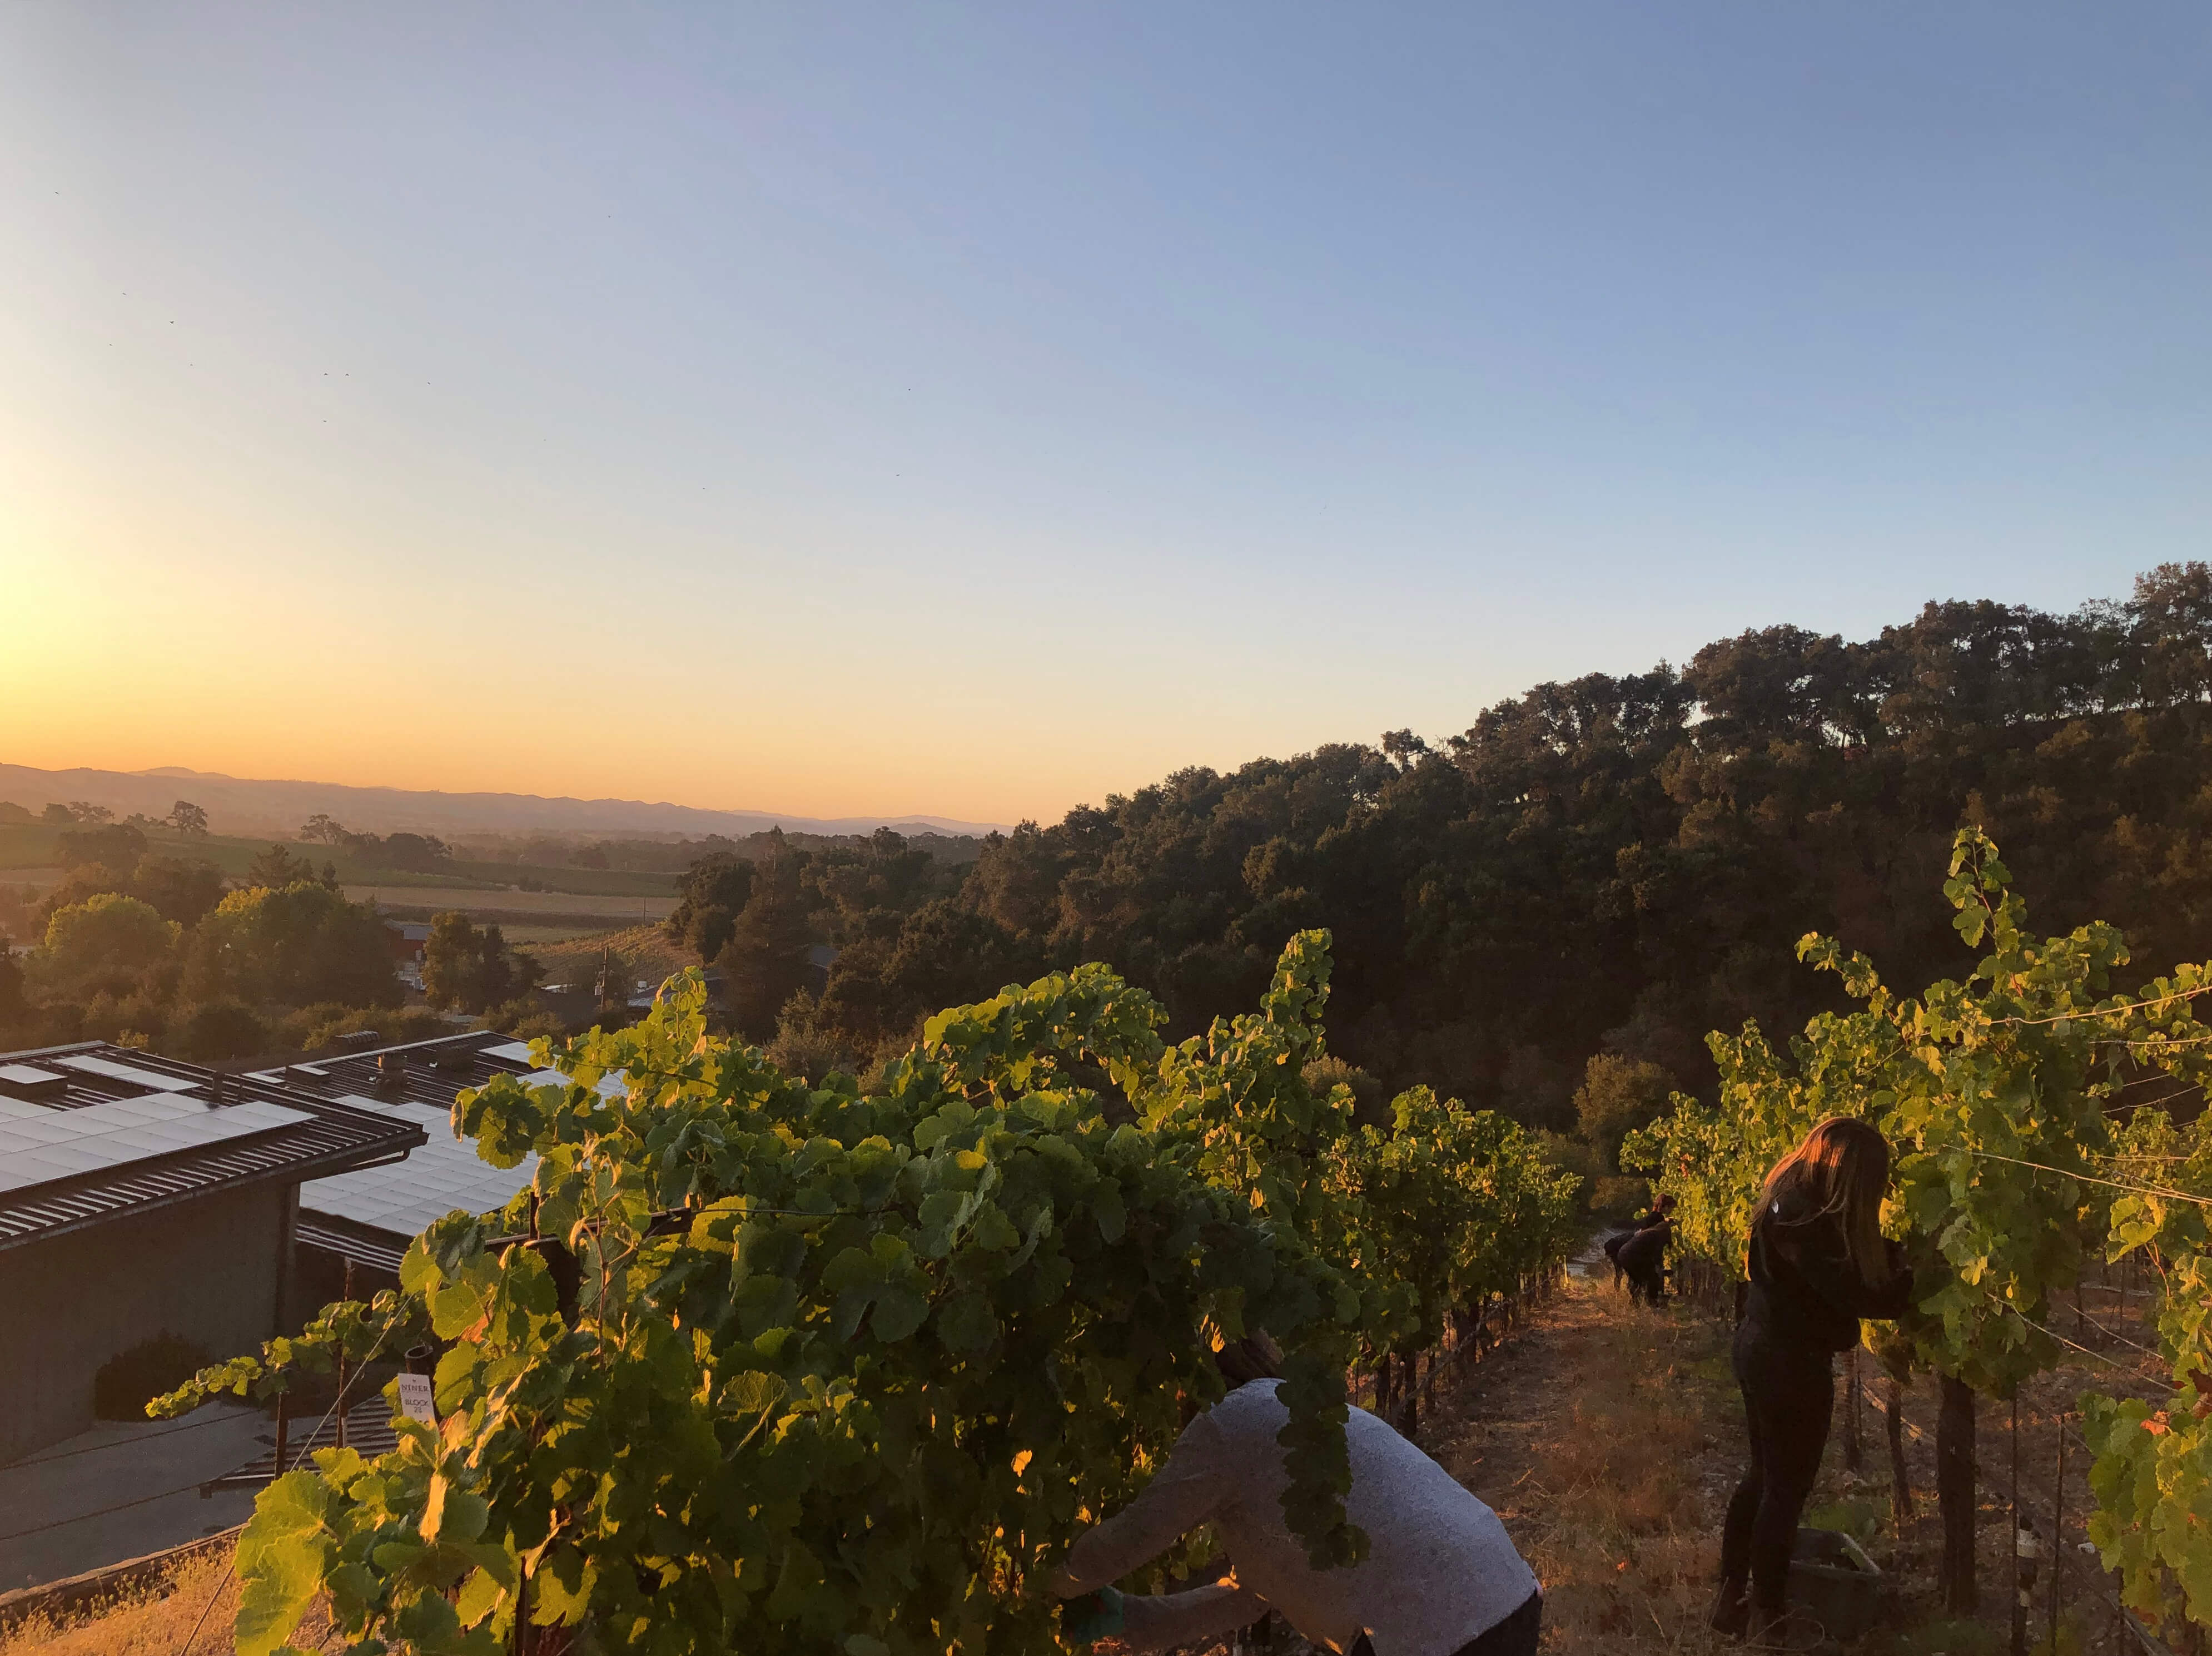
{"type": "Point", "coordinates": [1608, 1437]}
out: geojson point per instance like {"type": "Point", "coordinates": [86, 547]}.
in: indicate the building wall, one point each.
{"type": "Point", "coordinates": [206, 1270]}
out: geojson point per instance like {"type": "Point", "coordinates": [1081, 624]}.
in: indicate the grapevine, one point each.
{"type": "Point", "coordinates": [754, 1362]}
{"type": "Point", "coordinates": [1998, 1093]}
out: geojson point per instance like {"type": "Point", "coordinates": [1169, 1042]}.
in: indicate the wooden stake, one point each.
{"type": "Point", "coordinates": [1954, 1493]}
{"type": "Point", "coordinates": [1900, 1476]}
{"type": "Point", "coordinates": [2019, 1586]}
{"type": "Point", "coordinates": [339, 1408]}
{"type": "Point", "coordinates": [1851, 1409]}
{"type": "Point", "coordinates": [2058, 1532]}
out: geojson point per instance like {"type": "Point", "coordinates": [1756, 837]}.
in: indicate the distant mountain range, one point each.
{"type": "Point", "coordinates": [236, 805]}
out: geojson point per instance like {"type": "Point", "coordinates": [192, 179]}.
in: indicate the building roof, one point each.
{"type": "Point", "coordinates": [91, 1132]}
{"type": "Point", "coordinates": [372, 1214]}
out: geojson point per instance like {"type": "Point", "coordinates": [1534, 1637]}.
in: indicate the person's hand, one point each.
{"type": "Point", "coordinates": [1094, 1615]}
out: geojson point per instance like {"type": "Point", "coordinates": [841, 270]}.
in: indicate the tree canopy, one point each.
{"type": "Point", "coordinates": [1610, 865]}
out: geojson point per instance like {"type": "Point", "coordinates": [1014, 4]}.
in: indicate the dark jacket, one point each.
{"type": "Point", "coordinates": [1804, 1292]}
{"type": "Point", "coordinates": [1642, 1251]}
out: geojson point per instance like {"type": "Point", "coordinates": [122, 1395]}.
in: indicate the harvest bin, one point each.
{"type": "Point", "coordinates": [1837, 1583]}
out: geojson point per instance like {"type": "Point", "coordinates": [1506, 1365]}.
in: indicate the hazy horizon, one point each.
{"type": "Point", "coordinates": [975, 412]}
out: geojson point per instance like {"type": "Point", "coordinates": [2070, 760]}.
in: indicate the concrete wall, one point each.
{"type": "Point", "coordinates": [206, 1270]}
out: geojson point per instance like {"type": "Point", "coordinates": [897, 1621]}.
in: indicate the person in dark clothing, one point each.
{"type": "Point", "coordinates": [1614, 1244]}
{"type": "Point", "coordinates": [1818, 1263]}
{"type": "Point", "coordinates": [1642, 1260]}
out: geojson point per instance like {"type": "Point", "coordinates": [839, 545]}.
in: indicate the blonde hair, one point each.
{"type": "Point", "coordinates": [1840, 1170]}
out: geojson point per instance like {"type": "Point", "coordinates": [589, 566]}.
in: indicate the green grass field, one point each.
{"type": "Point", "coordinates": [26, 846]}
{"type": "Point", "coordinates": [570, 913]}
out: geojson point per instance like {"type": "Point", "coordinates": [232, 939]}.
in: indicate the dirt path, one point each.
{"type": "Point", "coordinates": [1605, 1437]}
{"type": "Point", "coordinates": [1608, 1437]}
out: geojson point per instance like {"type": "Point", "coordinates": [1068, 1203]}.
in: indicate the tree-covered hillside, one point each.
{"type": "Point", "coordinates": [1613, 865]}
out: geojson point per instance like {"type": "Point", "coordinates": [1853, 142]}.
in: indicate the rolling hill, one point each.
{"type": "Point", "coordinates": [238, 805]}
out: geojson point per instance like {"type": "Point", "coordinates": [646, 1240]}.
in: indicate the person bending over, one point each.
{"type": "Point", "coordinates": [1818, 1263]}
{"type": "Point", "coordinates": [1440, 1578]}
{"type": "Point", "coordinates": [1642, 1257]}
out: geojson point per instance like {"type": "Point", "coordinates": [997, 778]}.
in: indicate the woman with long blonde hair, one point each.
{"type": "Point", "coordinates": [1818, 1263]}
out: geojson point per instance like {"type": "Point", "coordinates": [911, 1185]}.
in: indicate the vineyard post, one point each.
{"type": "Point", "coordinates": [2058, 1529]}
{"type": "Point", "coordinates": [1900, 1476]}
{"type": "Point", "coordinates": [338, 1407]}
{"type": "Point", "coordinates": [1955, 1492]}
{"type": "Point", "coordinates": [2019, 1583]}
{"type": "Point", "coordinates": [1851, 1409]}
{"type": "Point", "coordinates": [279, 1462]}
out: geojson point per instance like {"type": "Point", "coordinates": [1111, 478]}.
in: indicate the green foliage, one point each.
{"type": "Point", "coordinates": [117, 845]}
{"type": "Point", "coordinates": [1454, 1206]}
{"type": "Point", "coordinates": [1618, 1095]}
{"type": "Point", "coordinates": [276, 868]}
{"type": "Point", "coordinates": [847, 1372]}
{"type": "Point", "coordinates": [12, 1004]}
{"type": "Point", "coordinates": [318, 1026]}
{"type": "Point", "coordinates": [523, 1018]}
{"type": "Point", "coordinates": [472, 970]}
{"type": "Point", "coordinates": [1968, 1082]}
{"type": "Point", "coordinates": [184, 889]}
{"type": "Point", "coordinates": [1618, 863]}
{"type": "Point", "coordinates": [107, 933]}
{"type": "Point", "coordinates": [764, 961]}
{"type": "Point", "coordinates": [709, 898]}
{"type": "Point", "coordinates": [1995, 1093]}
{"type": "Point", "coordinates": [2153, 1474]}
{"type": "Point", "coordinates": [216, 1030]}
{"type": "Point", "coordinates": [292, 946]}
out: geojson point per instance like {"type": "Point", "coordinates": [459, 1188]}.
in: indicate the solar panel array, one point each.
{"type": "Point", "coordinates": [91, 1130]}
{"type": "Point", "coordinates": [38, 1145]}
{"type": "Point", "coordinates": [373, 1214]}
{"type": "Point", "coordinates": [403, 1198]}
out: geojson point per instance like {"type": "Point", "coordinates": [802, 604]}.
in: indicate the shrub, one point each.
{"type": "Point", "coordinates": [128, 1381]}
{"type": "Point", "coordinates": [108, 933]}
{"type": "Point", "coordinates": [216, 1030]}
{"type": "Point", "coordinates": [322, 1023]}
{"type": "Point", "coordinates": [1614, 1195]}
{"type": "Point", "coordinates": [524, 1019]}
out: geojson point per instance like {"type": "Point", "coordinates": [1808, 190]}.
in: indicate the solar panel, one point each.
{"type": "Point", "coordinates": [63, 1144]}
{"type": "Point", "coordinates": [91, 1064]}
{"type": "Point", "coordinates": [403, 1196]}
{"type": "Point", "coordinates": [512, 1052]}
{"type": "Point", "coordinates": [23, 1074]}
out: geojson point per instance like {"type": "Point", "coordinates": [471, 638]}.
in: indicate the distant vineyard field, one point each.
{"type": "Point", "coordinates": [588, 912]}
{"type": "Point", "coordinates": [29, 849]}
{"type": "Point", "coordinates": [569, 957]}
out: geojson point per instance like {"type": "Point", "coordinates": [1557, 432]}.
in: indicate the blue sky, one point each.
{"type": "Point", "coordinates": [980, 411]}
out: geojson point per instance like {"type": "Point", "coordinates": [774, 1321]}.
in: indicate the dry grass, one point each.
{"type": "Point", "coordinates": [646, 948]}
{"type": "Point", "coordinates": [1602, 1436]}
{"type": "Point", "coordinates": [153, 1618]}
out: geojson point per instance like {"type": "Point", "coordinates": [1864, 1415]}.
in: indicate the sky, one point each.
{"type": "Point", "coordinates": [981, 411]}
